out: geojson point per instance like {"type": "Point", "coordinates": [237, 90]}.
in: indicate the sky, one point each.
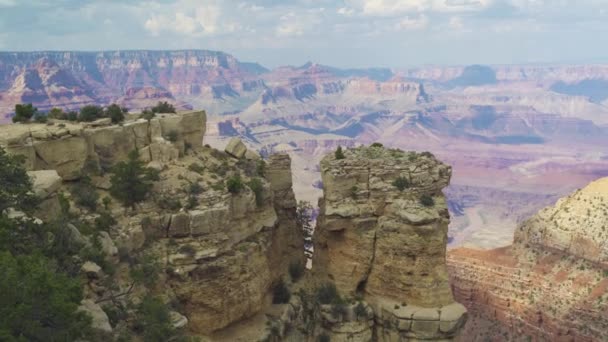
{"type": "Point", "coordinates": [343, 33]}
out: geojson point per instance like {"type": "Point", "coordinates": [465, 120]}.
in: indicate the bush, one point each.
{"type": "Point", "coordinates": [257, 187]}
{"type": "Point", "coordinates": [15, 184]}
{"type": "Point", "coordinates": [85, 194]}
{"type": "Point", "coordinates": [339, 154]}
{"type": "Point", "coordinates": [192, 202]}
{"type": "Point", "coordinates": [24, 113]}
{"type": "Point", "coordinates": [280, 293]}
{"type": "Point", "coordinates": [401, 183]}
{"type": "Point", "coordinates": [296, 270]}
{"type": "Point", "coordinates": [148, 115]}
{"type": "Point", "coordinates": [153, 320]}
{"type": "Point", "coordinates": [116, 113]}
{"type": "Point", "coordinates": [377, 144]}
{"type": "Point", "coordinates": [90, 113]}
{"type": "Point", "coordinates": [234, 184]}
{"type": "Point", "coordinates": [169, 203]}
{"type": "Point", "coordinates": [131, 182]}
{"type": "Point", "coordinates": [195, 189]}
{"type": "Point", "coordinates": [146, 270]}
{"type": "Point", "coordinates": [324, 338]}
{"type": "Point", "coordinates": [338, 310]}
{"type": "Point", "coordinates": [72, 116]}
{"type": "Point", "coordinates": [104, 221]}
{"type": "Point", "coordinates": [328, 294]}
{"type": "Point", "coordinates": [360, 310]}
{"type": "Point", "coordinates": [260, 168]}
{"type": "Point", "coordinates": [163, 107]}
{"type": "Point", "coordinates": [40, 118]}
{"type": "Point", "coordinates": [427, 200]}
{"type": "Point", "coordinates": [57, 113]}
{"type": "Point", "coordinates": [198, 168]}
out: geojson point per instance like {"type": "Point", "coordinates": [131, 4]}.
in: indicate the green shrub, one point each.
{"type": "Point", "coordinates": [296, 270]}
{"type": "Point", "coordinates": [24, 112]}
{"type": "Point", "coordinates": [147, 114]}
{"type": "Point", "coordinates": [169, 203]}
{"type": "Point", "coordinates": [338, 310]}
{"type": "Point", "coordinates": [339, 154]}
{"type": "Point", "coordinates": [153, 320]}
{"type": "Point", "coordinates": [104, 221]}
{"type": "Point", "coordinates": [360, 311]}
{"type": "Point", "coordinates": [90, 113]}
{"type": "Point", "coordinates": [131, 181]}
{"type": "Point", "coordinates": [401, 183]}
{"type": "Point", "coordinates": [72, 116]}
{"type": "Point", "coordinates": [260, 168]}
{"type": "Point", "coordinates": [116, 113]}
{"type": "Point", "coordinates": [377, 144]}
{"type": "Point", "coordinates": [280, 293]}
{"type": "Point", "coordinates": [192, 202]}
{"type": "Point", "coordinates": [427, 200]}
{"type": "Point", "coordinates": [195, 167]}
{"type": "Point", "coordinates": [195, 189]}
{"type": "Point", "coordinates": [328, 294]}
{"type": "Point", "coordinates": [163, 107]}
{"type": "Point", "coordinates": [234, 184]}
{"type": "Point", "coordinates": [324, 338]}
{"type": "Point", "coordinates": [257, 187]}
{"type": "Point", "coordinates": [146, 270]}
{"type": "Point", "coordinates": [85, 194]}
{"type": "Point", "coordinates": [40, 118]}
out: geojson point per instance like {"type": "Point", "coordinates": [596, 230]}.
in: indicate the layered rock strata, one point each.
{"type": "Point", "coordinates": [550, 285]}
{"type": "Point", "coordinates": [382, 234]}
{"type": "Point", "coordinates": [70, 148]}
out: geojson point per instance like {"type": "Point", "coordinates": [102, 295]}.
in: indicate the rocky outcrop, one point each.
{"type": "Point", "coordinates": [382, 234]}
{"type": "Point", "coordinates": [69, 148]}
{"type": "Point", "coordinates": [576, 225]}
{"type": "Point", "coordinates": [550, 285]}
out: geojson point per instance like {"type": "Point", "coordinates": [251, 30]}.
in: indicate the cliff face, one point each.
{"type": "Point", "coordinates": [551, 284]}
{"type": "Point", "coordinates": [136, 79]}
{"type": "Point", "coordinates": [71, 148]}
{"type": "Point", "coordinates": [386, 244]}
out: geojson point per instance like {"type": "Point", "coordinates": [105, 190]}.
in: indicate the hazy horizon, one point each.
{"type": "Point", "coordinates": [348, 33]}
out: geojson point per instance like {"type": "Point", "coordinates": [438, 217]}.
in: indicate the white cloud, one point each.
{"type": "Point", "coordinates": [413, 24]}
{"type": "Point", "coordinates": [8, 3]}
{"type": "Point", "coordinates": [399, 7]}
{"type": "Point", "coordinates": [190, 18]}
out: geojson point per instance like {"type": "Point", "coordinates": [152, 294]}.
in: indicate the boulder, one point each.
{"type": "Point", "coordinates": [44, 182]}
{"type": "Point", "coordinates": [100, 321]}
{"type": "Point", "coordinates": [67, 156]}
{"type": "Point", "coordinates": [180, 225]}
{"type": "Point", "coordinates": [252, 155]}
{"type": "Point", "coordinates": [108, 247]}
{"type": "Point", "coordinates": [91, 270]}
{"type": "Point", "coordinates": [178, 320]}
{"type": "Point", "coordinates": [236, 148]}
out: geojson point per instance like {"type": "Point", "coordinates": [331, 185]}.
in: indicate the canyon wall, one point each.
{"type": "Point", "coordinates": [551, 284]}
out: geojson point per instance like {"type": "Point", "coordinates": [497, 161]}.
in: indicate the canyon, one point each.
{"type": "Point", "coordinates": [519, 135]}
{"type": "Point", "coordinates": [517, 139]}
{"type": "Point", "coordinates": [219, 239]}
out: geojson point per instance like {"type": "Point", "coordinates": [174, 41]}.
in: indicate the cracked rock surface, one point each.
{"type": "Point", "coordinates": [382, 234]}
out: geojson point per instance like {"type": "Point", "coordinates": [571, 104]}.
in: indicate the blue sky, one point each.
{"type": "Point", "coordinates": [347, 33]}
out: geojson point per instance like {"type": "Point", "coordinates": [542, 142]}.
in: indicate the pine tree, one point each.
{"type": "Point", "coordinates": [132, 181]}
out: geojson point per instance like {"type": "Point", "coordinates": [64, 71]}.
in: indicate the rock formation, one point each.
{"type": "Point", "coordinates": [70, 148]}
{"type": "Point", "coordinates": [551, 284]}
{"type": "Point", "coordinates": [382, 234]}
